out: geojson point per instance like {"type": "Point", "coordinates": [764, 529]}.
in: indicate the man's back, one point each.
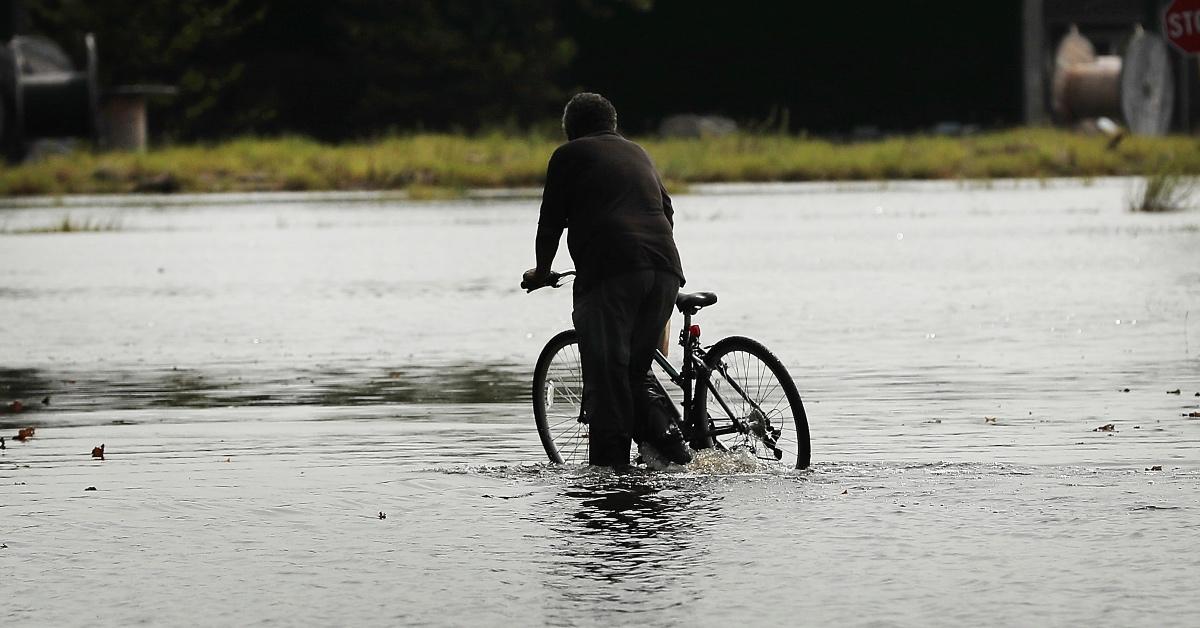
{"type": "Point", "coordinates": [605, 191]}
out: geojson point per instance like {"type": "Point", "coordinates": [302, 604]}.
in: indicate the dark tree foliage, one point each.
{"type": "Point", "coordinates": [832, 65]}
{"type": "Point", "coordinates": [346, 69]}
{"type": "Point", "coordinates": [330, 69]}
{"type": "Point", "coordinates": [193, 45]}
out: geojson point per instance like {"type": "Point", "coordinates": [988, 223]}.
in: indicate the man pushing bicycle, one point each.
{"type": "Point", "coordinates": [604, 190]}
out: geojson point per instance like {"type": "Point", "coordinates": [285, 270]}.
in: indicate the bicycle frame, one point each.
{"type": "Point", "coordinates": [694, 423]}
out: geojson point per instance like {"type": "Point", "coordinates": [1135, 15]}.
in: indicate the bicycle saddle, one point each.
{"type": "Point", "coordinates": [690, 303]}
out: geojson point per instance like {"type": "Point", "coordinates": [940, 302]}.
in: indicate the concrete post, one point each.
{"type": "Point", "coordinates": [1033, 38]}
{"type": "Point", "coordinates": [124, 122]}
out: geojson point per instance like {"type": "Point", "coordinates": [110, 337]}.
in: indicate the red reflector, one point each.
{"type": "Point", "coordinates": [694, 331]}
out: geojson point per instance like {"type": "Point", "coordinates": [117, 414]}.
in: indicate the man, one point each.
{"type": "Point", "coordinates": [604, 190]}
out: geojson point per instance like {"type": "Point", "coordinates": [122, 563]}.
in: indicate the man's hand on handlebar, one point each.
{"type": "Point", "coordinates": [532, 279]}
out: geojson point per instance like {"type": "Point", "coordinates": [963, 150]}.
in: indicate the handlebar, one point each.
{"type": "Point", "coordinates": [552, 281]}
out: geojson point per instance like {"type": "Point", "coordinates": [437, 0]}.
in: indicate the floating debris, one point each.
{"type": "Point", "coordinates": [1107, 427]}
{"type": "Point", "coordinates": [381, 515]}
{"type": "Point", "coordinates": [1157, 467]}
{"type": "Point", "coordinates": [1124, 390]}
{"type": "Point", "coordinates": [15, 407]}
{"type": "Point", "coordinates": [990, 420]}
{"type": "Point", "coordinates": [24, 434]}
{"type": "Point", "coordinates": [2, 443]}
{"type": "Point", "coordinates": [490, 496]}
{"type": "Point", "coordinates": [1193, 415]}
{"type": "Point", "coordinates": [90, 488]}
{"type": "Point", "coordinates": [1173, 392]}
{"type": "Point", "coordinates": [98, 452]}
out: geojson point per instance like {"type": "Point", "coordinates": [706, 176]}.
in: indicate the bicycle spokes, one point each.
{"type": "Point", "coordinates": [752, 402]}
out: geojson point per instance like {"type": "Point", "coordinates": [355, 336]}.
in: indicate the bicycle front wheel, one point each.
{"type": "Point", "coordinates": [758, 392]}
{"type": "Point", "coordinates": [558, 400]}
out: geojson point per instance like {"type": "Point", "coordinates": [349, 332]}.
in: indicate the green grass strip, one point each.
{"type": "Point", "coordinates": [443, 165]}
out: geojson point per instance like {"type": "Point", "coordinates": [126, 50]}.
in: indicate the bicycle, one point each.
{"type": "Point", "coordinates": [754, 402]}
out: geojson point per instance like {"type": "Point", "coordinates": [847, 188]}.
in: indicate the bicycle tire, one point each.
{"type": "Point", "coordinates": [558, 400]}
{"type": "Point", "coordinates": [768, 384]}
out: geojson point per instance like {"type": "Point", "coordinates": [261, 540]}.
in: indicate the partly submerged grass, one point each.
{"type": "Point", "coordinates": [66, 224]}
{"type": "Point", "coordinates": [442, 165]}
{"type": "Point", "coordinates": [1165, 190]}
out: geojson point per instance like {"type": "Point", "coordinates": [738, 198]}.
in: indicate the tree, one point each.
{"type": "Point", "coordinates": [329, 69]}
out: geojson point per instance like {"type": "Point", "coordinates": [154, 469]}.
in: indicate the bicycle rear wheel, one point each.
{"type": "Point", "coordinates": [758, 391]}
{"type": "Point", "coordinates": [558, 400]}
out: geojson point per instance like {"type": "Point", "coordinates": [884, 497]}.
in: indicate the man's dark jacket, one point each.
{"type": "Point", "coordinates": [605, 191]}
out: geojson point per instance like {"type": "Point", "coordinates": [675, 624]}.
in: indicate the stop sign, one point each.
{"type": "Point", "coordinates": [1181, 24]}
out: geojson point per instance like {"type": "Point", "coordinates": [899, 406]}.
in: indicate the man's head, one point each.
{"type": "Point", "coordinates": [588, 113]}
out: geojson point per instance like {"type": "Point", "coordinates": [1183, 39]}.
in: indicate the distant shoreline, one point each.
{"type": "Point", "coordinates": [440, 166]}
{"type": "Point", "coordinates": [85, 201]}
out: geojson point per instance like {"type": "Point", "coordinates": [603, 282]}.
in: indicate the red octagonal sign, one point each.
{"type": "Point", "coordinates": [1181, 25]}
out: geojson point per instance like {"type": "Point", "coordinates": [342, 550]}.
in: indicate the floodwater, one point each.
{"type": "Point", "coordinates": [272, 374]}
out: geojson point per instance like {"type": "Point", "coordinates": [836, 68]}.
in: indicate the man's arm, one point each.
{"type": "Point", "coordinates": [546, 246]}
{"type": "Point", "coordinates": [552, 219]}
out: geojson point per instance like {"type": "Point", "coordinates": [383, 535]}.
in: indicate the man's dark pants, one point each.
{"type": "Point", "coordinates": [620, 321]}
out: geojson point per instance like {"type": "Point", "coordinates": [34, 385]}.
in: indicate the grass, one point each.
{"type": "Point", "coordinates": [1164, 190]}
{"type": "Point", "coordinates": [65, 225]}
{"type": "Point", "coordinates": [444, 165]}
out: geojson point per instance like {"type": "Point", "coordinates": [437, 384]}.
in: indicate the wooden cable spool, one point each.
{"type": "Point", "coordinates": [1138, 88]}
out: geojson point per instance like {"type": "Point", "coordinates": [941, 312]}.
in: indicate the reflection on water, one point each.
{"type": "Point", "coordinates": [91, 391]}
{"type": "Point", "coordinates": [627, 543]}
{"type": "Point", "coordinates": [630, 529]}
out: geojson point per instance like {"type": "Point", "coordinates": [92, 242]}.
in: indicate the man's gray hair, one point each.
{"type": "Point", "coordinates": [587, 112]}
